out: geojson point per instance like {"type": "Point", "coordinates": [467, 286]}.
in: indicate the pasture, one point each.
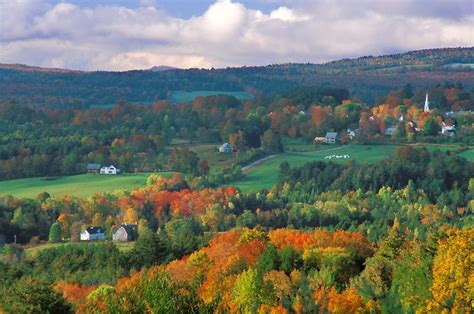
{"type": "Point", "coordinates": [211, 154]}
{"type": "Point", "coordinates": [184, 96]}
{"type": "Point", "coordinates": [468, 154]}
{"type": "Point", "coordinates": [265, 175]}
{"type": "Point", "coordinates": [207, 151]}
{"type": "Point", "coordinates": [32, 251]}
{"type": "Point", "coordinates": [83, 185]}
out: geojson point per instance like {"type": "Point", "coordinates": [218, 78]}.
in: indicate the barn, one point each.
{"type": "Point", "coordinates": [125, 233]}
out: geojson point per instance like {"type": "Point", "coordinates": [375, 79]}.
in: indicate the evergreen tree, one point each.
{"type": "Point", "coordinates": [55, 233]}
{"type": "Point", "coordinates": [148, 250]}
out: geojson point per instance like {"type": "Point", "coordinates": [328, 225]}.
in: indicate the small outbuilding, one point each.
{"type": "Point", "coordinates": [320, 139]}
{"type": "Point", "coordinates": [226, 148]}
{"type": "Point", "coordinates": [93, 233]}
{"type": "Point", "coordinates": [331, 138]}
{"type": "Point", "coordinates": [93, 168]}
{"type": "Point", "coordinates": [125, 233]}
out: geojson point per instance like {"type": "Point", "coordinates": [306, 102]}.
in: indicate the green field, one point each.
{"type": "Point", "coordinates": [468, 154]}
{"type": "Point", "coordinates": [184, 96]}
{"type": "Point", "coordinates": [83, 185]}
{"type": "Point", "coordinates": [211, 154]}
{"type": "Point", "coordinates": [34, 250]}
{"type": "Point", "coordinates": [179, 96]}
{"type": "Point", "coordinates": [208, 151]}
{"type": "Point", "coordinates": [265, 175]}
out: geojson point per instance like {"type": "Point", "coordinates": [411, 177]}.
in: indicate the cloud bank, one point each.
{"type": "Point", "coordinates": [228, 33]}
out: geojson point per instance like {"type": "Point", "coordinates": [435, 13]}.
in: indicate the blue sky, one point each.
{"type": "Point", "coordinates": [138, 34]}
{"type": "Point", "coordinates": [178, 8]}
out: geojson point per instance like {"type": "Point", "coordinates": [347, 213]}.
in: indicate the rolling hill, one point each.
{"type": "Point", "coordinates": [366, 77]}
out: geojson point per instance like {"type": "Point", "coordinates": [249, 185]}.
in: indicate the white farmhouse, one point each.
{"type": "Point", "coordinates": [109, 170]}
{"type": "Point", "coordinates": [92, 233]}
{"type": "Point", "coordinates": [448, 130]}
{"type": "Point", "coordinates": [225, 148]}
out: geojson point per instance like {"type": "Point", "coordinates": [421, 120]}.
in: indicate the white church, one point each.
{"type": "Point", "coordinates": [427, 104]}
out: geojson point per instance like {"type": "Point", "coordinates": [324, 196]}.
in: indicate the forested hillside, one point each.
{"type": "Point", "coordinates": [376, 243]}
{"type": "Point", "coordinates": [51, 142]}
{"type": "Point", "coordinates": [366, 78]}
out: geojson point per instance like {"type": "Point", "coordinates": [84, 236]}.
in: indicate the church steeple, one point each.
{"type": "Point", "coordinates": [427, 104]}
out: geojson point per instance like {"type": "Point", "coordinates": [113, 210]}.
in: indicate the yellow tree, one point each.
{"type": "Point", "coordinates": [97, 220]}
{"type": "Point", "coordinates": [453, 273]}
{"type": "Point", "coordinates": [130, 216]}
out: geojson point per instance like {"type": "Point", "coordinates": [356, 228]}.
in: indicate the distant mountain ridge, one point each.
{"type": "Point", "coordinates": [434, 57]}
{"type": "Point", "coordinates": [365, 77]}
{"type": "Point", "coordinates": [29, 68]}
{"type": "Point", "coordinates": [160, 68]}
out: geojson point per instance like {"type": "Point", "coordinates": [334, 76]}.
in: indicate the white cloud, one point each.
{"type": "Point", "coordinates": [228, 33]}
{"type": "Point", "coordinates": [287, 15]}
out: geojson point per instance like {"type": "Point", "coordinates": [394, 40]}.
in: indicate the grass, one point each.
{"type": "Point", "coordinates": [211, 154]}
{"type": "Point", "coordinates": [184, 96]}
{"type": "Point", "coordinates": [208, 151]}
{"type": "Point", "coordinates": [468, 154]}
{"type": "Point", "coordinates": [266, 174]}
{"type": "Point", "coordinates": [179, 96]}
{"type": "Point", "coordinates": [83, 185]}
{"type": "Point", "coordinates": [297, 145]}
{"type": "Point", "coordinates": [34, 250]}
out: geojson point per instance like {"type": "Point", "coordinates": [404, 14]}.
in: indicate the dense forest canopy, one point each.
{"type": "Point", "coordinates": [366, 78]}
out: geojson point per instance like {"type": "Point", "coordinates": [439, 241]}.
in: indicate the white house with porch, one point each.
{"type": "Point", "coordinates": [109, 170]}
{"type": "Point", "coordinates": [92, 233]}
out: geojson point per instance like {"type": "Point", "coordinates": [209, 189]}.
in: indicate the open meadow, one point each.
{"type": "Point", "coordinates": [83, 185]}
{"type": "Point", "coordinates": [265, 175]}
{"type": "Point", "coordinates": [32, 251]}
{"type": "Point", "coordinates": [211, 154]}
{"type": "Point", "coordinates": [180, 96]}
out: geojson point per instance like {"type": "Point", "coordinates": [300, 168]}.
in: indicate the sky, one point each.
{"type": "Point", "coordinates": [122, 35]}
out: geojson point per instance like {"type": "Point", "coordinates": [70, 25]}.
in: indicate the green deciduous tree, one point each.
{"type": "Point", "coordinates": [55, 233]}
{"type": "Point", "coordinates": [30, 295]}
{"type": "Point", "coordinates": [250, 291]}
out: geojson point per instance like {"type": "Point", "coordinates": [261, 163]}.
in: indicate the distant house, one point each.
{"type": "Point", "coordinates": [448, 130]}
{"type": "Point", "coordinates": [351, 133]}
{"type": "Point", "coordinates": [93, 168]}
{"type": "Point", "coordinates": [330, 138]}
{"type": "Point", "coordinates": [389, 131]}
{"type": "Point", "coordinates": [125, 233]}
{"type": "Point", "coordinates": [226, 148]}
{"type": "Point", "coordinates": [412, 124]}
{"type": "Point", "coordinates": [93, 233]}
{"type": "Point", "coordinates": [109, 170]}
